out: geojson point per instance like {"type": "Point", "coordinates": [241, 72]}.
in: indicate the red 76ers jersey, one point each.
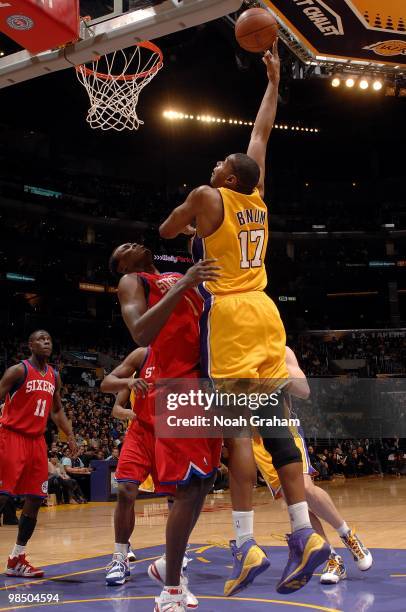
{"type": "Point", "coordinates": [27, 406]}
{"type": "Point", "coordinates": [177, 346]}
{"type": "Point", "coordinates": [144, 407]}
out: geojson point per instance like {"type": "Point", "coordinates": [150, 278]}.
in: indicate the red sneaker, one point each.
{"type": "Point", "coordinates": [19, 566]}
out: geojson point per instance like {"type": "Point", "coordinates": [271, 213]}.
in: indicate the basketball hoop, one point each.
{"type": "Point", "coordinates": [114, 83]}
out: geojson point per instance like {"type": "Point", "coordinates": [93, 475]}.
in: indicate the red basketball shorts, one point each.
{"type": "Point", "coordinates": [181, 458]}
{"type": "Point", "coordinates": [23, 464]}
{"type": "Point", "coordinates": [170, 462]}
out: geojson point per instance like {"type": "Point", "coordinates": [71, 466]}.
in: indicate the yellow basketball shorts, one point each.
{"type": "Point", "coordinates": [263, 459]}
{"type": "Point", "coordinates": [147, 486]}
{"type": "Point", "coordinates": [242, 336]}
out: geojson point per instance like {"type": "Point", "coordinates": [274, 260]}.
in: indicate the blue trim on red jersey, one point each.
{"type": "Point", "coordinates": [36, 369]}
{"type": "Point", "coordinates": [17, 386]}
{"type": "Point", "coordinates": [147, 288]}
{"type": "Point", "coordinates": [144, 361]}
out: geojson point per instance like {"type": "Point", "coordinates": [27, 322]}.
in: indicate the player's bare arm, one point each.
{"type": "Point", "coordinates": [203, 206]}
{"type": "Point", "coordinates": [119, 411]}
{"type": "Point", "coordinates": [266, 115]}
{"type": "Point", "coordinates": [11, 377]}
{"type": "Point", "coordinates": [145, 324]}
{"type": "Point", "coordinates": [59, 417]}
{"type": "Point", "coordinates": [122, 379]}
{"type": "Point", "coordinates": [298, 385]}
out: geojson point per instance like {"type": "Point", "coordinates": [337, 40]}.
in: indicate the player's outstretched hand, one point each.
{"type": "Point", "coordinates": [272, 63]}
{"type": "Point", "coordinates": [138, 385]}
{"type": "Point", "coordinates": [205, 270]}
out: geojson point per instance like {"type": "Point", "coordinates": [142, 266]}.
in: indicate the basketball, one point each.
{"type": "Point", "coordinates": [256, 30]}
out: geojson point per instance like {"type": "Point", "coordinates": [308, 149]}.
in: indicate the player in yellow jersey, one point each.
{"type": "Point", "coordinates": [242, 336]}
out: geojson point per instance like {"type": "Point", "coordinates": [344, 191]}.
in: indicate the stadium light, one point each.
{"type": "Point", "coordinates": [364, 84]}
{"type": "Point", "coordinates": [336, 82]}
{"type": "Point", "coordinates": [377, 85]}
{"type": "Point", "coordinates": [173, 115]}
{"type": "Point", "coordinates": [350, 82]}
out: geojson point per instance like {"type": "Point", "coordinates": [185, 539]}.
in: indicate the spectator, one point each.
{"type": "Point", "coordinates": [75, 469]}
{"type": "Point", "coordinates": [113, 458]}
{"type": "Point", "coordinates": [59, 482]}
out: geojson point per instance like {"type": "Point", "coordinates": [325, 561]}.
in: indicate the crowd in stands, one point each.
{"type": "Point", "coordinates": [383, 352]}
{"type": "Point", "coordinates": [99, 436]}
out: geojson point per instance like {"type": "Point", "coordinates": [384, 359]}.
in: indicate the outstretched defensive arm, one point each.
{"type": "Point", "coordinates": [266, 115]}
{"type": "Point", "coordinates": [145, 324]}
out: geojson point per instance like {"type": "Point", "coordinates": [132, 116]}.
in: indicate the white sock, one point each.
{"type": "Point", "coordinates": [299, 516]}
{"type": "Point", "coordinates": [333, 551]}
{"type": "Point", "coordinates": [244, 526]}
{"type": "Point", "coordinates": [17, 551]}
{"type": "Point", "coordinates": [343, 530]}
{"type": "Point", "coordinates": [121, 548]}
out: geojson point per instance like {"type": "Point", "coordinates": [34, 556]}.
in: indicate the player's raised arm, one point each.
{"type": "Point", "coordinates": [11, 377]}
{"type": "Point", "coordinates": [298, 385]}
{"type": "Point", "coordinates": [59, 417]}
{"type": "Point", "coordinates": [121, 378]}
{"type": "Point", "coordinates": [145, 324]}
{"type": "Point", "coordinates": [266, 114]}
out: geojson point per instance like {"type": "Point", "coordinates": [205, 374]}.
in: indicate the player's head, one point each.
{"type": "Point", "coordinates": [40, 343]}
{"type": "Point", "coordinates": [238, 172]}
{"type": "Point", "coordinates": [130, 257]}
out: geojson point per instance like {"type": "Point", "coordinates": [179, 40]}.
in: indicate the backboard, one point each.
{"type": "Point", "coordinates": [108, 25]}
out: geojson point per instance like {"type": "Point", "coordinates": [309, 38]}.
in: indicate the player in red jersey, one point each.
{"type": "Point", "coordinates": [163, 311]}
{"type": "Point", "coordinates": [142, 455]}
{"type": "Point", "coordinates": [32, 393]}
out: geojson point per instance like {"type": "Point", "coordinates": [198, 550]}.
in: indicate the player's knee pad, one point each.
{"type": "Point", "coordinates": [283, 450]}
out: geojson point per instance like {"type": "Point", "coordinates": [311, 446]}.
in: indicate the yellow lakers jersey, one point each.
{"type": "Point", "coordinates": [239, 244]}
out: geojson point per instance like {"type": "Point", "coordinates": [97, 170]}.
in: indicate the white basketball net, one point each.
{"type": "Point", "coordinates": [114, 82]}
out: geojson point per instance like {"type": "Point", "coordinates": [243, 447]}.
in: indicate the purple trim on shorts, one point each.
{"type": "Point", "coordinates": [193, 472]}
{"type": "Point", "coordinates": [310, 469]}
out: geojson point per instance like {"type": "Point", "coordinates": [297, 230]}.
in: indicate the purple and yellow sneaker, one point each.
{"type": "Point", "coordinates": [249, 561]}
{"type": "Point", "coordinates": [307, 550]}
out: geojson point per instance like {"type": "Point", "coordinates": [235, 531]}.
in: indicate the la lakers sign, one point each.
{"type": "Point", "coordinates": [369, 30]}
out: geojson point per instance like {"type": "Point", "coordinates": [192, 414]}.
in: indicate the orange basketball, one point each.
{"type": "Point", "coordinates": [256, 30]}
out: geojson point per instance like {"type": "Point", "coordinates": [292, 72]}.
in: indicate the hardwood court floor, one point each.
{"type": "Point", "coordinates": [374, 506]}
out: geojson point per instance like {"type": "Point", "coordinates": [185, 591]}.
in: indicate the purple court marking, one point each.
{"type": "Point", "coordinates": [376, 590]}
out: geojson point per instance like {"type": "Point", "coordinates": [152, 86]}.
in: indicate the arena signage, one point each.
{"type": "Point", "coordinates": [363, 30]}
{"type": "Point", "coordinates": [92, 357]}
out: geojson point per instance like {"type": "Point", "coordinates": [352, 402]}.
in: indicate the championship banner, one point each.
{"type": "Point", "coordinates": [363, 30]}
